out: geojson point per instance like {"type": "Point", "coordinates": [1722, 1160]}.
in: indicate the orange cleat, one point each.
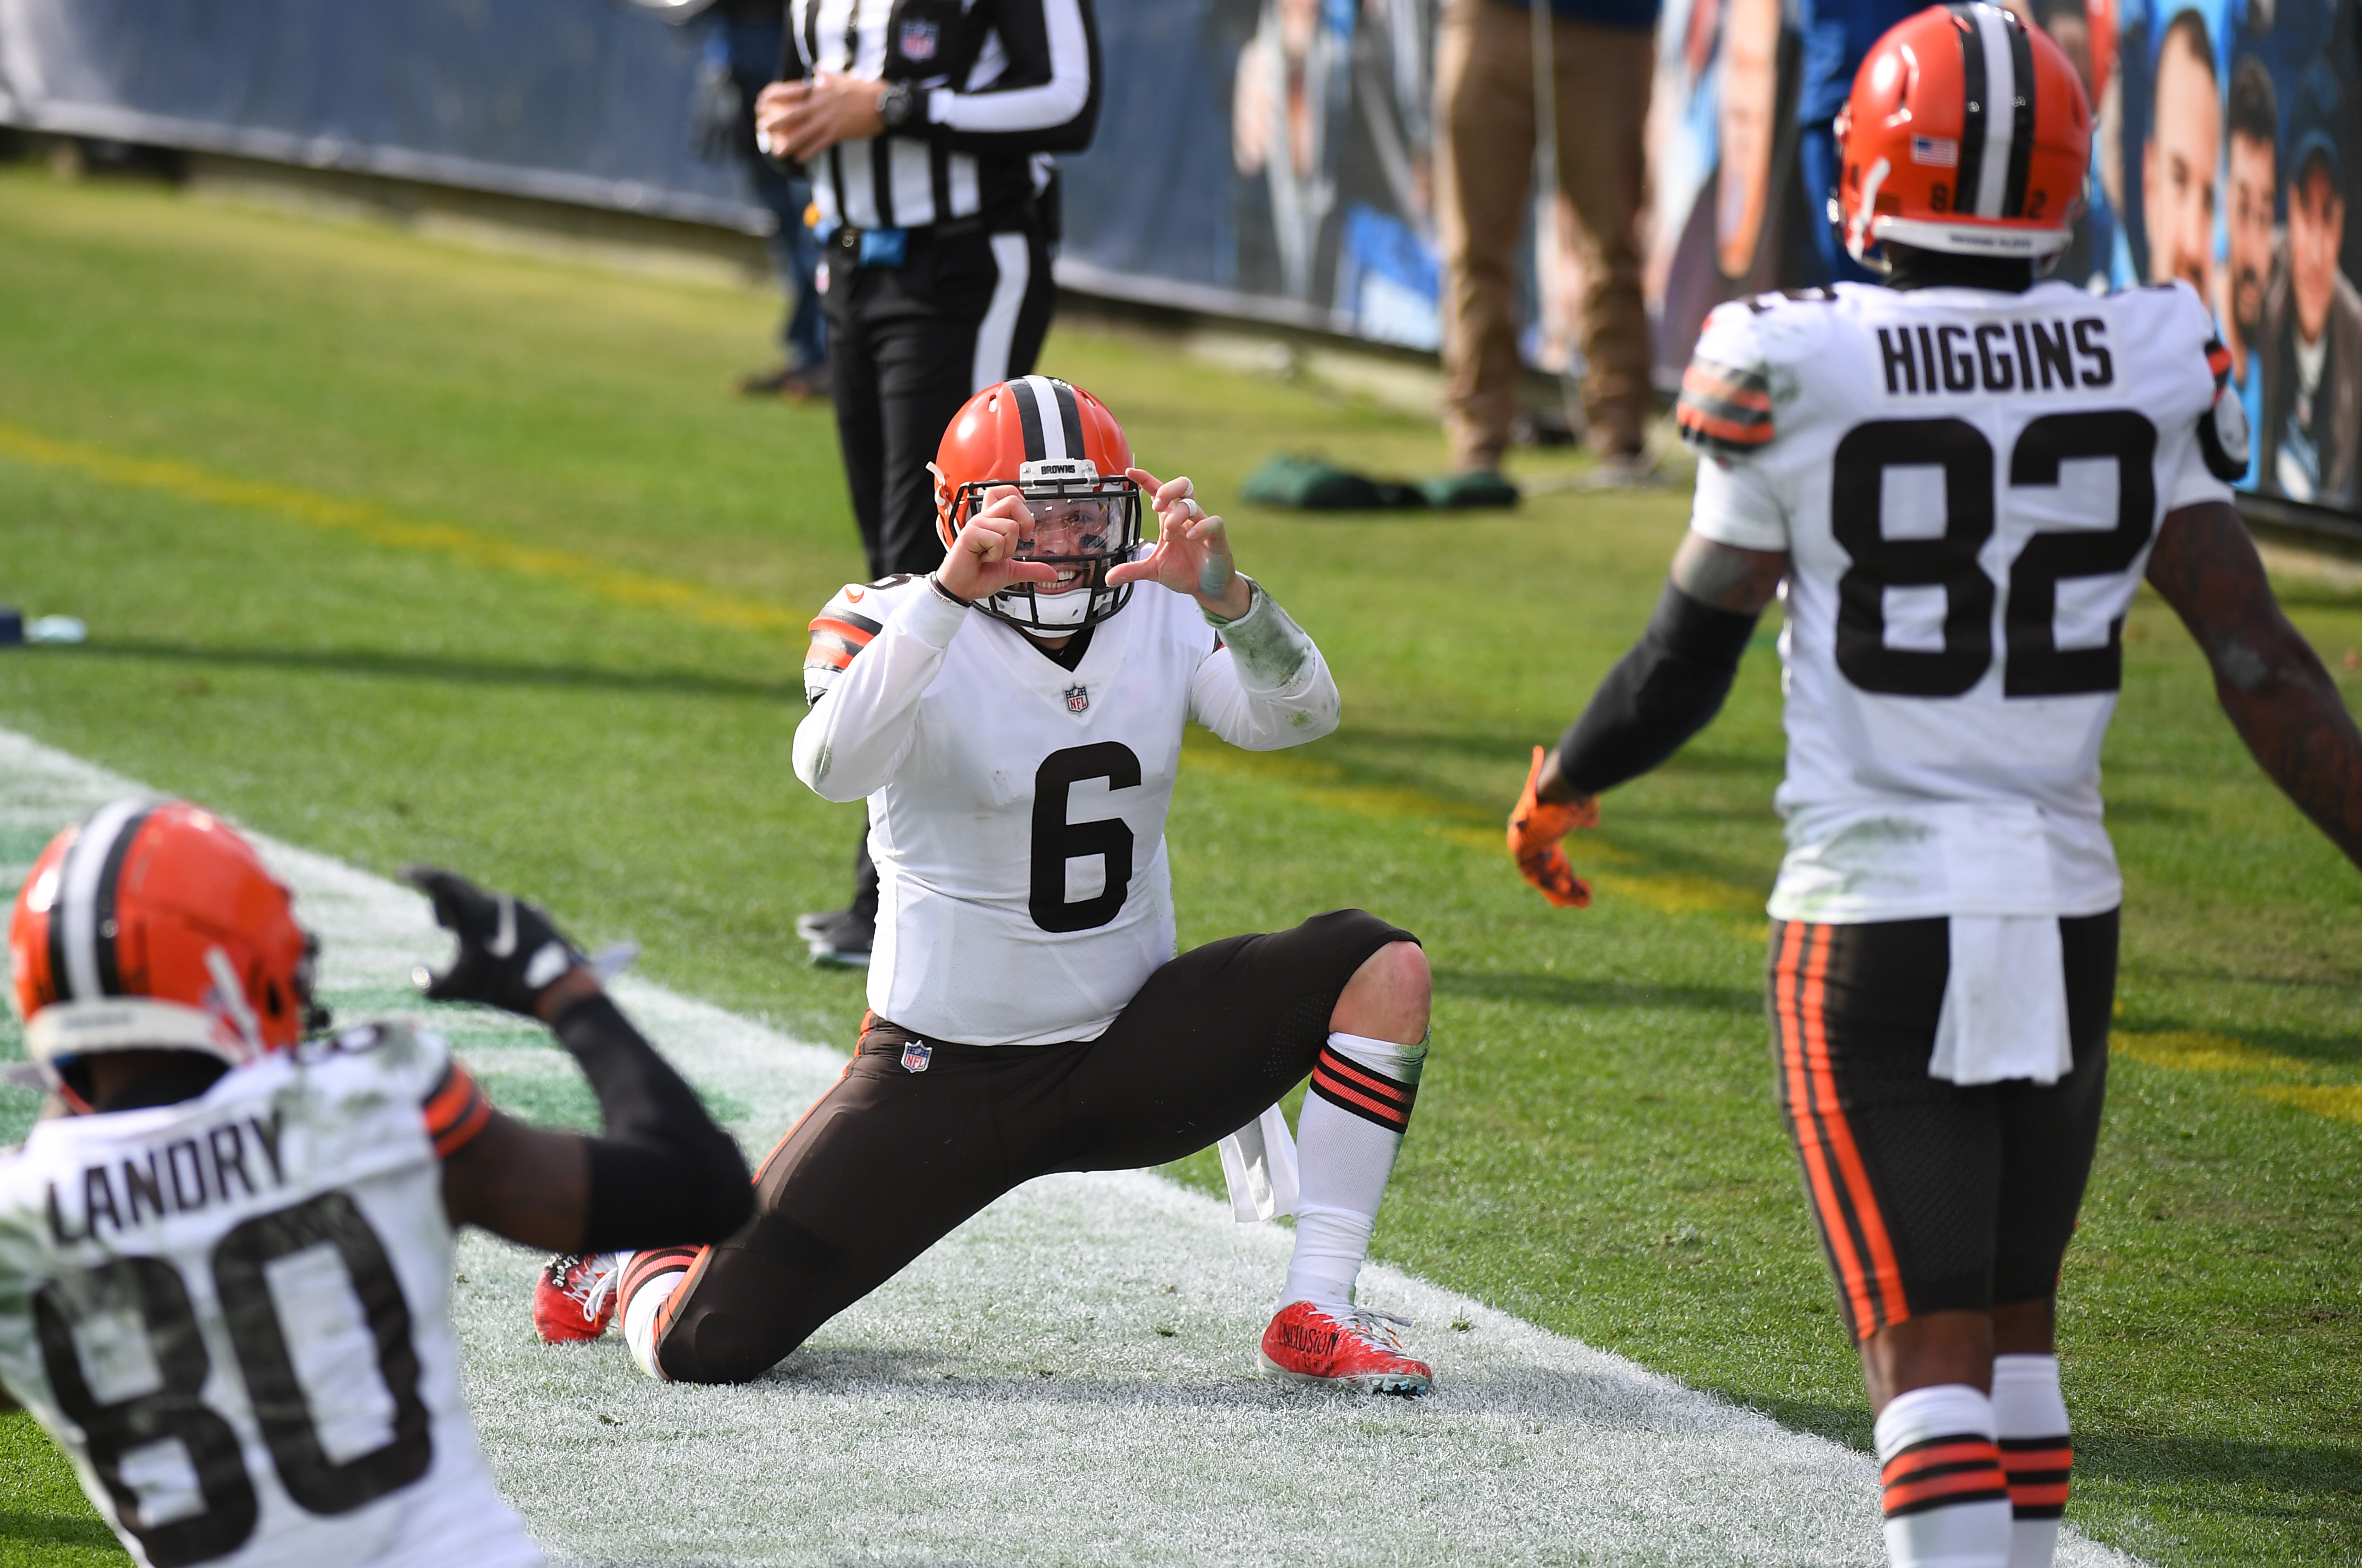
{"type": "Point", "coordinates": [1358, 1350]}
{"type": "Point", "coordinates": [574, 1299]}
{"type": "Point", "coordinates": [1535, 828]}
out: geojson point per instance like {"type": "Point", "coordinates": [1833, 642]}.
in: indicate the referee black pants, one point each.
{"type": "Point", "coordinates": [907, 345]}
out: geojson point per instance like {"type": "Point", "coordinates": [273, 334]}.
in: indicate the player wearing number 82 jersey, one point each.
{"type": "Point", "coordinates": [1956, 484]}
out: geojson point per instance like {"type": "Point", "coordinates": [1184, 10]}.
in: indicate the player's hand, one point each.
{"type": "Point", "coordinates": [511, 953]}
{"type": "Point", "coordinates": [800, 120]}
{"type": "Point", "coordinates": [1535, 828]}
{"type": "Point", "coordinates": [982, 560]}
{"type": "Point", "coordinates": [1193, 549]}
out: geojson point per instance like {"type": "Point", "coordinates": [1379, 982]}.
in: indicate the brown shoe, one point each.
{"type": "Point", "coordinates": [796, 385]}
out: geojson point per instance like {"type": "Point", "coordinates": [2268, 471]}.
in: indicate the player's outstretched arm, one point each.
{"type": "Point", "coordinates": [1665, 690]}
{"type": "Point", "coordinates": [2269, 681]}
{"type": "Point", "coordinates": [662, 1172]}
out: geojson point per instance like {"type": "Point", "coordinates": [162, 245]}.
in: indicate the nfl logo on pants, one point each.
{"type": "Point", "coordinates": [1077, 698]}
{"type": "Point", "coordinates": [915, 1057]}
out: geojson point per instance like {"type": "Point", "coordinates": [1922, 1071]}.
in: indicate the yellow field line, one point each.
{"type": "Point", "coordinates": [1318, 783]}
{"type": "Point", "coordinates": [2190, 1051]}
{"type": "Point", "coordinates": [382, 526]}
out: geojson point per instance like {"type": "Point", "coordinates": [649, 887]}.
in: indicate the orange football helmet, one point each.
{"type": "Point", "coordinates": [1967, 132]}
{"type": "Point", "coordinates": [152, 926]}
{"type": "Point", "coordinates": [1060, 446]}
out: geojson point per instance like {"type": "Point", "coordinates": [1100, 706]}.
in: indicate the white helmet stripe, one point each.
{"type": "Point", "coordinates": [2000, 109]}
{"type": "Point", "coordinates": [1053, 428]}
{"type": "Point", "coordinates": [76, 908]}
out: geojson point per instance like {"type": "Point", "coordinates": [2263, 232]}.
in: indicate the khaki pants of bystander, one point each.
{"type": "Point", "coordinates": [1484, 179]}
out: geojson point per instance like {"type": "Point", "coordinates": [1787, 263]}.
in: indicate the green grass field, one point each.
{"type": "Point", "coordinates": [404, 552]}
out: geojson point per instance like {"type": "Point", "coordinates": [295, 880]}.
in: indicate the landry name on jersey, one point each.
{"type": "Point", "coordinates": [1967, 485]}
{"type": "Point", "coordinates": [232, 1312]}
{"type": "Point", "coordinates": [1016, 802]}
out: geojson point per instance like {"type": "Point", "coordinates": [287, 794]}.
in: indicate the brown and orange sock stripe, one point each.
{"type": "Point", "coordinates": [1941, 1473]}
{"type": "Point", "coordinates": [1364, 1090]}
{"type": "Point", "coordinates": [2038, 1469]}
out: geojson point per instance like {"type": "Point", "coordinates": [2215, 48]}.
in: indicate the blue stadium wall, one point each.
{"type": "Point", "coordinates": [1202, 191]}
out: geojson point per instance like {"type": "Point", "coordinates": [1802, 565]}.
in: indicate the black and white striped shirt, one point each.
{"type": "Point", "coordinates": [1000, 86]}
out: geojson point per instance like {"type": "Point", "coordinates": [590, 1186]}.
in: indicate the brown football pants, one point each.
{"type": "Point", "coordinates": [891, 1160]}
{"type": "Point", "coordinates": [1483, 180]}
{"type": "Point", "coordinates": [1931, 1196]}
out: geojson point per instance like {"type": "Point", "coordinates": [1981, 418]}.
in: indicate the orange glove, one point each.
{"type": "Point", "coordinates": [1535, 828]}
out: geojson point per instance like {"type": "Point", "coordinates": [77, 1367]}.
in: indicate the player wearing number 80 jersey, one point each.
{"type": "Point", "coordinates": [225, 1274]}
{"type": "Point", "coordinates": [1956, 484]}
{"type": "Point", "coordinates": [1015, 722]}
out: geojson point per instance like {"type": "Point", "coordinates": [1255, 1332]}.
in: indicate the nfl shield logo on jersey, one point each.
{"type": "Point", "coordinates": [915, 1057]}
{"type": "Point", "coordinates": [917, 40]}
{"type": "Point", "coordinates": [1077, 698]}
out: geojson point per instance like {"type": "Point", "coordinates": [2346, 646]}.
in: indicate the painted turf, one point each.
{"type": "Point", "coordinates": [1067, 1379]}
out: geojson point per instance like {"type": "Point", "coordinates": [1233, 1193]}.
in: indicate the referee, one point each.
{"type": "Point", "coordinates": [927, 127]}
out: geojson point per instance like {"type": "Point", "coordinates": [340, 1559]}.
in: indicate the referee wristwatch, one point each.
{"type": "Point", "coordinates": [898, 106]}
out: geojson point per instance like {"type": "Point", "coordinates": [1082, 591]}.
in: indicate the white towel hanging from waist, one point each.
{"type": "Point", "coordinates": [2005, 1013]}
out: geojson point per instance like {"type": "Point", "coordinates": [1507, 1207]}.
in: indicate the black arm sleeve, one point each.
{"type": "Point", "coordinates": [664, 1172]}
{"type": "Point", "coordinates": [1658, 695]}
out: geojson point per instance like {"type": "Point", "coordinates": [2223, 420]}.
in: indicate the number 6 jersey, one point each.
{"type": "Point", "coordinates": [1968, 484]}
{"type": "Point", "coordinates": [232, 1312]}
{"type": "Point", "coordinates": [1017, 800]}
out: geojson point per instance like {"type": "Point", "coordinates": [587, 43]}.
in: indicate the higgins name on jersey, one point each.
{"type": "Point", "coordinates": [1968, 484]}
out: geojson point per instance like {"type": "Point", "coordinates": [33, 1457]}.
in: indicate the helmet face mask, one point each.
{"type": "Point", "coordinates": [1062, 451]}
{"type": "Point", "coordinates": [1082, 526]}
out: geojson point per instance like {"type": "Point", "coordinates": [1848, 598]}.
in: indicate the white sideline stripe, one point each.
{"type": "Point", "coordinates": [1015, 1397]}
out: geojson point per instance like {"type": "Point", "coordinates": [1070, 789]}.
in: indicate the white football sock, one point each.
{"type": "Point", "coordinates": [2030, 1419]}
{"type": "Point", "coordinates": [1347, 1136]}
{"type": "Point", "coordinates": [1946, 1504]}
{"type": "Point", "coordinates": [645, 1294]}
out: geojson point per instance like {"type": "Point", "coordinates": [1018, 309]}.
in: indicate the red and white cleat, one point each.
{"type": "Point", "coordinates": [1357, 1349]}
{"type": "Point", "coordinates": [575, 1297]}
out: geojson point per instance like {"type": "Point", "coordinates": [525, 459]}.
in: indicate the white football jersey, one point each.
{"type": "Point", "coordinates": [232, 1312]}
{"type": "Point", "coordinates": [1967, 485]}
{"type": "Point", "coordinates": [1017, 806]}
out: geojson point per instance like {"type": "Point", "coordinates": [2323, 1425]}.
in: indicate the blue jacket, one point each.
{"type": "Point", "coordinates": [1838, 33]}
{"type": "Point", "coordinates": [1637, 15]}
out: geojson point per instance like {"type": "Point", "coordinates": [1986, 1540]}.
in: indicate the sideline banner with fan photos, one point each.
{"type": "Point", "coordinates": [1271, 159]}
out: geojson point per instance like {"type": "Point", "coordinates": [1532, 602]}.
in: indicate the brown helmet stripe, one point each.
{"type": "Point", "coordinates": [1971, 174]}
{"type": "Point", "coordinates": [1029, 418]}
{"type": "Point", "coordinates": [82, 947]}
{"type": "Point", "coordinates": [1070, 417]}
{"type": "Point", "coordinates": [106, 927]}
{"type": "Point", "coordinates": [2020, 143]}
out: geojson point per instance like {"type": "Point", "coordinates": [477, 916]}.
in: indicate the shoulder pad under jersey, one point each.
{"type": "Point", "coordinates": [1725, 409]}
{"type": "Point", "coordinates": [844, 626]}
{"type": "Point", "coordinates": [2224, 439]}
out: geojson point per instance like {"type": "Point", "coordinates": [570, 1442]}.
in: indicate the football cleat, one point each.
{"type": "Point", "coordinates": [1359, 1349]}
{"type": "Point", "coordinates": [841, 940]}
{"type": "Point", "coordinates": [574, 1299]}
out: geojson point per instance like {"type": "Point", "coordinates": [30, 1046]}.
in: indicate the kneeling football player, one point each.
{"type": "Point", "coordinates": [225, 1274]}
{"type": "Point", "coordinates": [1014, 721]}
{"type": "Point", "coordinates": [1962, 479]}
